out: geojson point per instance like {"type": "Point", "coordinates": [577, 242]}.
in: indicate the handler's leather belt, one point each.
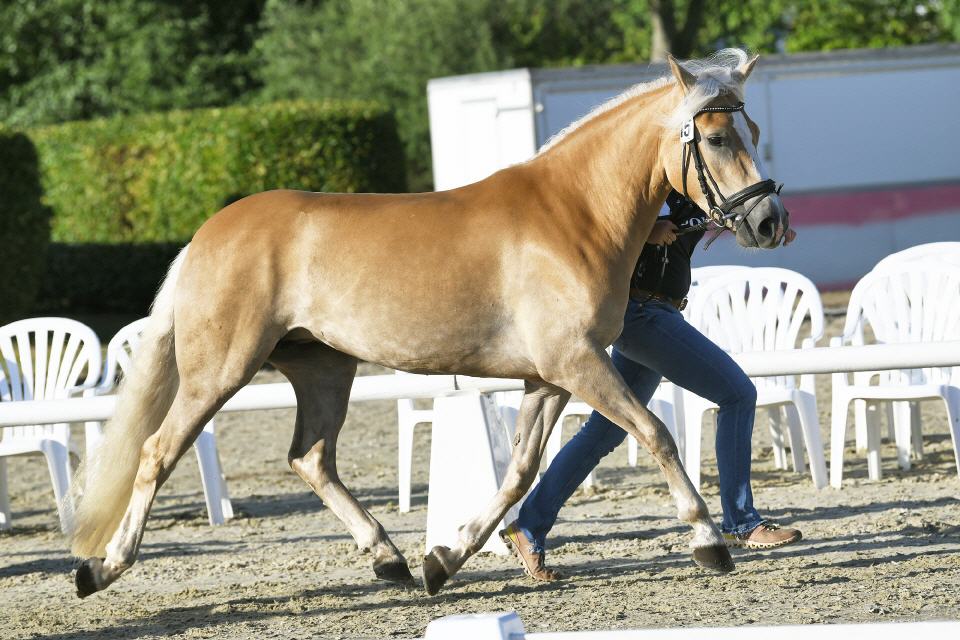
{"type": "Point", "coordinates": [642, 295]}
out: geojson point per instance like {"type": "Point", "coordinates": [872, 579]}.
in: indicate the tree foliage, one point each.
{"type": "Point", "coordinates": [78, 59]}
{"type": "Point", "coordinates": [373, 49]}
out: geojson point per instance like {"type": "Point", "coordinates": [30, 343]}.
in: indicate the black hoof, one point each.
{"type": "Point", "coordinates": [434, 575]}
{"type": "Point", "coordinates": [716, 557]}
{"type": "Point", "coordinates": [85, 581]}
{"type": "Point", "coordinates": [395, 571]}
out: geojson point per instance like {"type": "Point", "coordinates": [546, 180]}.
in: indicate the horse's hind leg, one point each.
{"type": "Point", "coordinates": [321, 378]}
{"type": "Point", "coordinates": [198, 398]}
{"type": "Point", "coordinates": [542, 404]}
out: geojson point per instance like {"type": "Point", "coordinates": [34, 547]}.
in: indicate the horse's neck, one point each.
{"type": "Point", "coordinates": [610, 166]}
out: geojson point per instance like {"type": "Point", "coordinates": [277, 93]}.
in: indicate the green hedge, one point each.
{"type": "Point", "coordinates": [24, 226]}
{"type": "Point", "coordinates": [157, 177]}
{"type": "Point", "coordinates": [126, 193]}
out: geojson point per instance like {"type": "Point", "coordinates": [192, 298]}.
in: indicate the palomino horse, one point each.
{"type": "Point", "coordinates": [535, 262]}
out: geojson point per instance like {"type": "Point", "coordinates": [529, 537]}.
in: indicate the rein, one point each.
{"type": "Point", "coordinates": [720, 214]}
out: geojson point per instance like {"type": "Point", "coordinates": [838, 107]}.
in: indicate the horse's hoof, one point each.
{"type": "Point", "coordinates": [434, 573]}
{"type": "Point", "coordinates": [715, 557]}
{"type": "Point", "coordinates": [394, 571]}
{"type": "Point", "coordinates": [85, 580]}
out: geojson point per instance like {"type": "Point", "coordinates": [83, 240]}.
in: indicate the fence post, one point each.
{"type": "Point", "coordinates": [505, 625]}
{"type": "Point", "coordinates": [469, 454]}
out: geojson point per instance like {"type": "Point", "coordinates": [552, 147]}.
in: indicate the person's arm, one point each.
{"type": "Point", "coordinates": [664, 232]}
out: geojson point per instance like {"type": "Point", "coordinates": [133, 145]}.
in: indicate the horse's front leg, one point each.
{"type": "Point", "coordinates": [542, 404]}
{"type": "Point", "coordinates": [588, 372]}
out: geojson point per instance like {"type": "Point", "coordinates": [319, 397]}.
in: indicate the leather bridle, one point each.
{"type": "Point", "coordinates": [721, 214]}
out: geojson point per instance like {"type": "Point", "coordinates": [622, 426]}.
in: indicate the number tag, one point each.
{"type": "Point", "coordinates": [686, 131]}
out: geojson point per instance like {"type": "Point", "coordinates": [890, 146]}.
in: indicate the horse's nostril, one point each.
{"type": "Point", "coordinates": [767, 227]}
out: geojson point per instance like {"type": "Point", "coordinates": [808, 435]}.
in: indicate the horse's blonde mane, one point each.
{"type": "Point", "coordinates": [715, 75]}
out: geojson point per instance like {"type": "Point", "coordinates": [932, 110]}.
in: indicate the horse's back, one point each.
{"type": "Point", "coordinates": [413, 281]}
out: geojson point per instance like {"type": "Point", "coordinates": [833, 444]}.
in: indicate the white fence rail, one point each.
{"type": "Point", "coordinates": [391, 387]}
{"type": "Point", "coordinates": [508, 626]}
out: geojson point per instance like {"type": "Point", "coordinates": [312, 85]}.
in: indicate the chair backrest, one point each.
{"type": "Point", "coordinates": [947, 252]}
{"type": "Point", "coordinates": [43, 358]}
{"type": "Point", "coordinates": [120, 351]}
{"type": "Point", "coordinates": [758, 309]}
{"type": "Point", "coordinates": [915, 301]}
{"type": "Point", "coordinates": [701, 275]}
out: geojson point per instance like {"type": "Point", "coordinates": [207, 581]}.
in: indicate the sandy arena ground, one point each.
{"type": "Point", "coordinates": [285, 567]}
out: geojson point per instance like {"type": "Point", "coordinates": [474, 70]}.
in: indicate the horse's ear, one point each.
{"type": "Point", "coordinates": [685, 79]}
{"type": "Point", "coordinates": [747, 67]}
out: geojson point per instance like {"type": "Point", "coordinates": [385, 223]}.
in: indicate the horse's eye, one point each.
{"type": "Point", "coordinates": [716, 141]}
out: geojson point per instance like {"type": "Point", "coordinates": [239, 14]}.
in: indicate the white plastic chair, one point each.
{"type": "Point", "coordinates": [901, 416]}
{"type": "Point", "coordinates": [947, 252]}
{"type": "Point", "coordinates": [902, 303]}
{"type": "Point", "coordinates": [408, 417]}
{"type": "Point", "coordinates": [44, 359]}
{"type": "Point", "coordinates": [120, 353]}
{"type": "Point", "coordinates": [762, 309]}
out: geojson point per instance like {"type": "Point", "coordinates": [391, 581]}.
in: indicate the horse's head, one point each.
{"type": "Point", "coordinates": [709, 151]}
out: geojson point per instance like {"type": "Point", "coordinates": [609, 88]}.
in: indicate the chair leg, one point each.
{"type": "Point", "coordinates": [806, 408]}
{"type": "Point", "coordinates": [862, 413]}
{"type": "Point", "coordinates": [902, 431]}
{"type": "Point", "coordinates": [692, 428]}
{"type": "Point", "coordinates": [679, 417]}
{"type": "Point", "coordinates": [916, 431]}
{"type": "Point", "coordinates": [952, 400]}
{"type": "Point", "coordinates": [891, 421]}
{"type": "Point", "coordinates": [838, 436]}
{"type": "Point", "coordinates": [632, 451]}
{"type": "Point", "coordinates": [219, 508]}
{"type": "Point", "coordinates": [58, 462]}
{"type": "Point", "coordinates": [92, 436]}
{"type": "Point", "coordinates": [874, 469]}
{"type": "Point", "coordinates": [776, 437]}
{"type": "Point", "coordinates": [5, 520]}
{"type": "Point", "coordinates": [405, 463]}
{"type": "Point", "coordinates": [797, 436]}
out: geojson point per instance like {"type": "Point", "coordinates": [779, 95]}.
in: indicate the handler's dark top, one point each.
{"type": "Point", "coordinates": [666, 269]}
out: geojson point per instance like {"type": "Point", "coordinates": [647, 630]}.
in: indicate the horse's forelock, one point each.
{"type": "Point", "coordinates": [716, 75]}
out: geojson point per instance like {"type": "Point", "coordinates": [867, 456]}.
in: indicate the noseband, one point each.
{"type": "Point", "coordinates": [721, 214]}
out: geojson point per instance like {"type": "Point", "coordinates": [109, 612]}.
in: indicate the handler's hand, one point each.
{"type": "Point", "coordinates": [789, 237]}
{"type": "Point", "coordinates": [663, 232]}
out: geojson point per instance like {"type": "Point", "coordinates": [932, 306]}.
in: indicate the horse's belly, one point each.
{"type": "Point", "coordinates": [423, 344]}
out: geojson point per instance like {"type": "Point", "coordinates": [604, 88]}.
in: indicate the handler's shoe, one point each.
{"type": "Point", "coordinates": [531, 560]}
{"type": "Point", "coordinates": [766, 535]}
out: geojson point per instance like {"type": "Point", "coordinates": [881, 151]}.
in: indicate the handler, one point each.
{"type": "Point", "coordinates": [656, 341]}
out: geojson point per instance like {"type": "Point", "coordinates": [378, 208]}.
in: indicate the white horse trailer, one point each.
{"type": "Point", "coordinates": [865, 141]}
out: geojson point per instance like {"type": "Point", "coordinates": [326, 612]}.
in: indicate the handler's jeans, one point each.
{"type": "Point", "coordinates": [657, 341]}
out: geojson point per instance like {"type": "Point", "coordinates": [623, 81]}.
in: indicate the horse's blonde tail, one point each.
{"type": "Point", "coordinates": [105, 480]}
